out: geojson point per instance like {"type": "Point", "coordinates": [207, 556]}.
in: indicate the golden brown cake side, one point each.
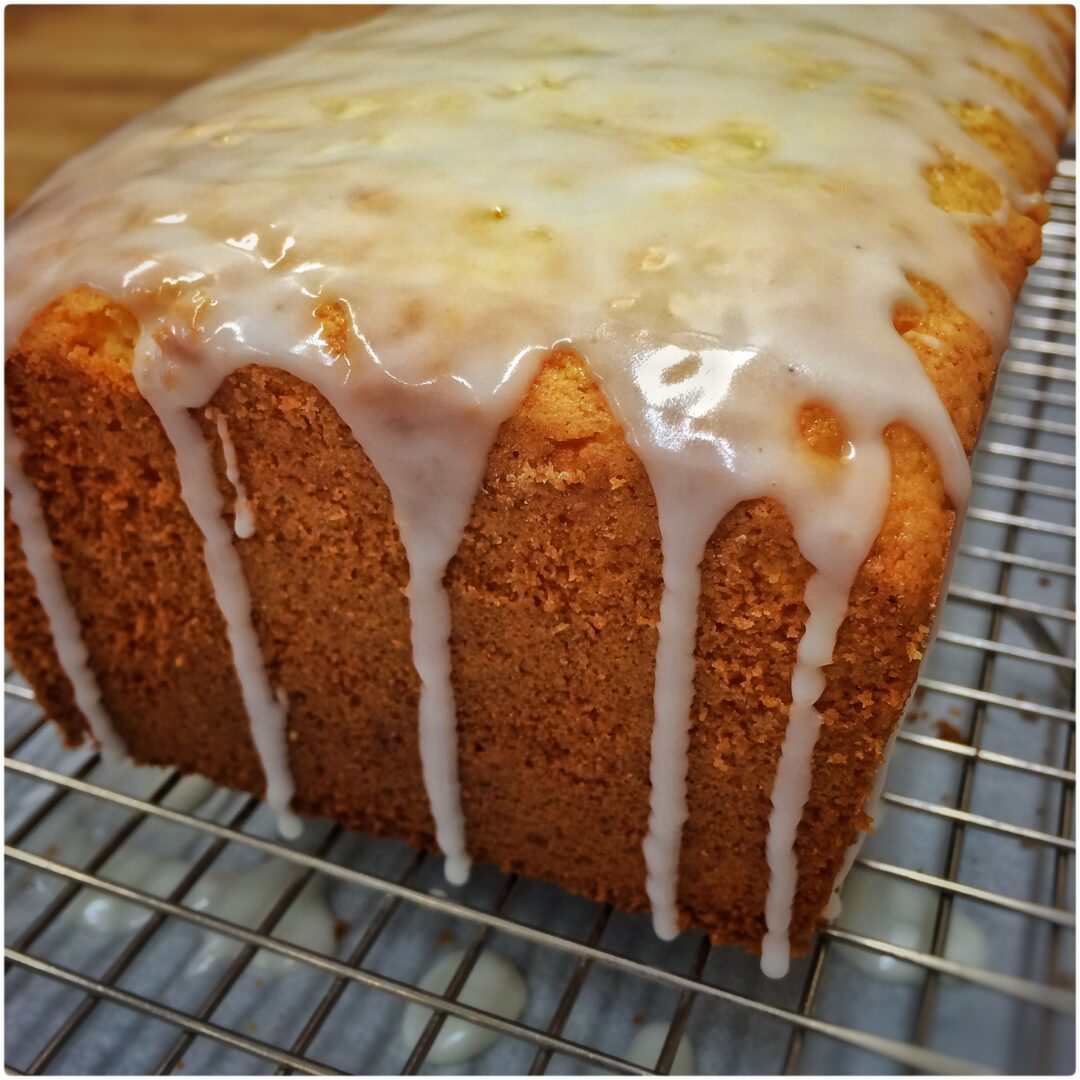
{"type": "Point", "coordinates": [555, 596]}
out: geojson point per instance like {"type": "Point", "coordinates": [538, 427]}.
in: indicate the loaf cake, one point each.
{"type": "Point", "coordinates": [534, 434]}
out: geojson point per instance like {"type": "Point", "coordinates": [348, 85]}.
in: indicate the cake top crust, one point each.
{"type": "Point", "coordinates": [472, 181]}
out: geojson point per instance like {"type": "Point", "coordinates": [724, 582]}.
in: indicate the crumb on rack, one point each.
{"type": "Point", "coordinates": [949, 732]}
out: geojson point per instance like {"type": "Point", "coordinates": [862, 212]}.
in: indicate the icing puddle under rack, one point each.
{"type": "Point", "coordinates": [155, 924]}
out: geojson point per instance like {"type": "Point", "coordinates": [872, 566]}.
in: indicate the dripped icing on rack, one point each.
{"type": "Point", "coordinates": [717, 208]}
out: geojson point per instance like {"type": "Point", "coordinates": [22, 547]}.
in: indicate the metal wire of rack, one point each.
{"type": "Point", "coordinates": [107, 961]}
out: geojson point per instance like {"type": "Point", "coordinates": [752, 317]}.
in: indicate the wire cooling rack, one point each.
{"type": "Point", "coordinates": [156, 925]}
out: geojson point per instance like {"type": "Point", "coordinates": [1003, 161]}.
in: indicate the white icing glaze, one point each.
{"type": "Point", "coordinates": [879, 906]}
{"type": "Point", "coordinates": [26, 513]}
{"type": "Point", "coordinates": [192, 793]}
{"type": "Point", "coordinates": [133, 866]}
{"type": "Point", "coordinates": [683, 548]}
{"type": "Point", "coordinates": [245, 896]}
{"type": "Point", "coordinates": [494, 985]}
{"type": "Point", "coordinates": [648, 1042]}
{"type": "Point", "coordinates": [189, 794]}
{"type": "Point", "coordinates": [927, 339]}
{"type": "Point", "coordinates": [243, 515]}
{"type": "Point", "coordinates": [684, 195]}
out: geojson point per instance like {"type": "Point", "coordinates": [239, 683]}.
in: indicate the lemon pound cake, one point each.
{"type": "Point", "coordinates": [534, 434]}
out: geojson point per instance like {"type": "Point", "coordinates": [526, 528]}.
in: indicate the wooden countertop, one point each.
{"type": "Point", "coordinates": [75, 73]}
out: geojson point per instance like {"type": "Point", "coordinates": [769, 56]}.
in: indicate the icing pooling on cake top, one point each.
{"type": "Point", "coordinates": [716, 207]}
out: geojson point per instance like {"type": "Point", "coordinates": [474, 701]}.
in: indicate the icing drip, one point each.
{"type": "Point", "coordinates": [433, 476]}
{"type": "Point", "coordinates": [429, 609]}
{"type": "Point", "coordinates": [243, 516]}
{"type": "Point", "coordinates": [28, 517]}
{"type": "Point", "coordinates": [674, 693]}
{"type": "Point", "coordinates": [836, 544]}
{"type": "Point", "coordinates": [687, 519]}
{"type": "Point", "coordinates": [266, 709]}
{"type": "Point", "coordinates": [683, 195]}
